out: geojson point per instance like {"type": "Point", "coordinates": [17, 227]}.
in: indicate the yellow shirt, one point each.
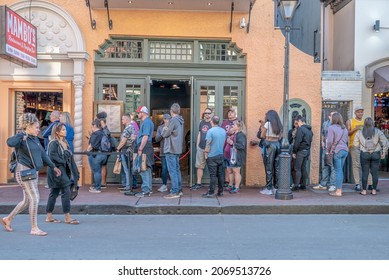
{"type": "Point", "coordinates": [354, 124]}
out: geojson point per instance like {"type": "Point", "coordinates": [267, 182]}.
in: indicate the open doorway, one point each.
{"type": "Point", "coordinates": [163, 93]}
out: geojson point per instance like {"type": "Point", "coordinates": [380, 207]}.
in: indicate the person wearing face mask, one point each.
{"type": "Point", "coordinates": [30, 155]}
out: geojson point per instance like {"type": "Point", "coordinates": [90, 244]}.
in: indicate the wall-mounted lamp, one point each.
{"type": "Point", "coordinates": [376, 26]}
{"type": "Point", "coordinates": [242, 23]}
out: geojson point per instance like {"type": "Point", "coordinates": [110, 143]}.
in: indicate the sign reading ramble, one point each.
{"type": "Point", "coordinates": [18, 38]}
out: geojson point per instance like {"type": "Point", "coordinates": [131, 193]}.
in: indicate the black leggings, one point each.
{"type": "Point", "coordinates": [370, 163]}
{"type": "Point", "coordinates": [272, 151]}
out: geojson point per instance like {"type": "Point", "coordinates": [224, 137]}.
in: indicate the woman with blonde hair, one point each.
{"type": "Point", "coordinates": [30, 155]}
{"type": "Point", "coordinates": [59, 152]}
{"type": "Point", "coordinates": [240, 144]}
{"type": "Point", "coordinates": [66, 118]}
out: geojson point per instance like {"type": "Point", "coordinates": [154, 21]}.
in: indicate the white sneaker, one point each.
{"type": "Point", "coordinates": [163, 188]}
{"type": "Point", "coordinates": [319, 187]}
{"type": "Point", "coordinates": [332, 189]}
{"type": "Point", "coordinates": [266, 191]}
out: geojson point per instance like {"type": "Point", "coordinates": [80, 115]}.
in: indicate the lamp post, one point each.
{"type": "Point", "coordinates": [284, 192]}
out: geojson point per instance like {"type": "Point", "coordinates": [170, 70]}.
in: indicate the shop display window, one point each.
{"type": "Point", "coordinates": [381, 112]}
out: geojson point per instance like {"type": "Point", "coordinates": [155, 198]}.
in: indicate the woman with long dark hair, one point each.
{"type": "Point", "coordinates": [373, 143]}
{"type": "Point", "coordinates": [60, 153]}
{"type": "Point", "coordinates": [337, 143]}
{"type": "Point", "coordinates": [272, 133]}
{"type": "Point", "coordinates": [30, 155]}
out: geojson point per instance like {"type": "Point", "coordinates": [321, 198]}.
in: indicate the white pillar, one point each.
{"type": "Point", "coordinates": [77, 142]}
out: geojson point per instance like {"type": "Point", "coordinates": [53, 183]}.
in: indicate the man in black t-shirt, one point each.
{"type": "Point", "coordinates": [204, 126]}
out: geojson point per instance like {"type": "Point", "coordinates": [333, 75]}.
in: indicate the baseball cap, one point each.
{"type": "Point", "coordinates": [143, 109]}
{"type": "Point", "coordinates": [358, 108]}
{"type": "Point", "coordinates": [166, 116]}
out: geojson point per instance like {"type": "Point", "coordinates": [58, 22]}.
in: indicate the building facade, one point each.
{"type": "Point", "coordinates": [129, 54]}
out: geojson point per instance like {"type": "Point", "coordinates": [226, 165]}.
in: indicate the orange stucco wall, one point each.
{"type": "Point", "coordinates": [264, 47]}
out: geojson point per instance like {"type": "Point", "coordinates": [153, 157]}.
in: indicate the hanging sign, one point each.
{"type": "Point", "coordinates": [18, 38]}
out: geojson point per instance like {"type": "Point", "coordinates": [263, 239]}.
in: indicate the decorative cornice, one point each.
{"type": "Point", "coordinates": [336, 5]}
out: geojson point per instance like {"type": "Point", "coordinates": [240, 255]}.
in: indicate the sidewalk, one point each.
{"type": "Point", "coordinates": [248, 201]}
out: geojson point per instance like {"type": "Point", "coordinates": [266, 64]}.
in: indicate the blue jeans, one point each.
{"type": "Point", "coordinates": [125, 172]}
{"type": "Point", "coordinates": [328, 174]}
{"type": "Point", "coordinates": [339, 160]}
{"type": "Point", "coordinates": [164, 170]}
{"type": "Point", "coordinates": [173, 166]}
{"type": "Point", "coordinates": [147, 180]}
{"type": "Point", "coordinates": [95, 163]}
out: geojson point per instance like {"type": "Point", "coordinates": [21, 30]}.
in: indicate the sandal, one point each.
{"type": "Point", "coordinates": [374, 192]}
{"type": "Point", "coordinates": [335, 194]}
{"type": "Point", "coordinates": [38, 232]}
{"type": "Point", "coordinates": [53, 221]}
{"type": "Point", "coordinates": [72, 222]}
{"type": "Point", "coordinates": [6, 226]}
{"type": "Point", "coordinates": [363, 192]}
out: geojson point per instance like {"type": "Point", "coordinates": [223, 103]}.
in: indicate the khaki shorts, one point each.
{"type": "Point", "coordinates": [200, 158]}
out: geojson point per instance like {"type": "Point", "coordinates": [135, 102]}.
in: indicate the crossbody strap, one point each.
{"type": "Point", "coordinates": [334, 147]}
{"type": "Point", "coordinates": [28, 147]}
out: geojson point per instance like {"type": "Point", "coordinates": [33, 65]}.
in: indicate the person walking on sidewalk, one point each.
{"type": "Point", "coordinates": [30, 155]}
{"type": "Point", "coordinates": [215, 140]}
{"type": "Point", "coordinates": [126, 150]}
{"type": "Point", "coordinates": [144, 146]}
{"type": "Point", "coordinates": [204, 126]}
{"type": "Point", "coordinates": [373, 145]}
{"type": "Point", "coordinates": [301, 153]}
{"type": "Point", "coordinates": [61, 155]}
{"type": "Point", "coordinates": [327, 172]}
{"type": "Point", "coordinates": [174, 138]}
{"type": "Point", "coordinates": [337, 144]}
{"type": "Point", "coordinates": [161, 140]}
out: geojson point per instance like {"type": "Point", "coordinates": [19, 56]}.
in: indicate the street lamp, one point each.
{"type": "Point", "coordinates": [284, 192]}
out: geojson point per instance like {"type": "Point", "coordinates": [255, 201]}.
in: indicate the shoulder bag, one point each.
{"type": "Point", "coordinates": [329, 158]}
{"type": "Point", "coordinates": [29, 174]}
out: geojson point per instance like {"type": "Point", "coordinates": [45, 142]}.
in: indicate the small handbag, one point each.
{"type": "Point", "coordinates": [29, 174]}
{"type": "Point", "coordinates": [73, 190]}
{"type": "Point", "coordinates": [118, 166]}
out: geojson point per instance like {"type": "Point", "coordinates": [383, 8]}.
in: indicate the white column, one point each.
{"type": "Point", "coordinates": [78, 83]}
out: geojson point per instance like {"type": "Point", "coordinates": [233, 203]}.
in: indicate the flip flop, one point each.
{"type": "Point", "coordinates": [6, 226]}
{"type": "Point", "coordinates": [53, 221]}
{"type": "Point", "coordinates": [38, 233]}
{"type": "Point", "coordinates": [72, 222]}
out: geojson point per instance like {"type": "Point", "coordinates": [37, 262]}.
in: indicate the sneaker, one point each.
{"type": "Point", "coordinates": [47, 186]}
{"type": "Point", "coordinates": [266, 191]}
{"type": "Point", "coordinates": [180, 193]}
{"type": "Point", "coordinates": [220, 194]}
{"type": "Point", "coordinates": [122, 188]}
{"type": "Point", "coordinates": [196, 187]}
{"type": "Point", "coordinates": [332, 189]}
{"type": "Point", "coordinates": [208, 195]}
{"type": "Point", "coordinates": [142, 194]}
{"type": "Point", "coordinates": [135, 187]}
{"type": "Point", "coordinates": [103, 187]}
{"type": "Point", "coordinates": [172, 195]}
{"type": "Point", "coordinates": [303, 188]}
{"type": "Point", "coordinates": [229, 188]}
{"type": "Point", "coordinates": [294, 188]}
{"type": "Point", "coordinates": [130, 193]}
{"type": "Point", "coordinates": [163, 188]}
{"type": "Point", "coordinates": [319, 188]}
{"type": "Point", "coordinates": [94, 191]}
{"type": "Point", "coordinates": [125, 190]}
{"type": "Point", "coordinates": [357, 188]}
{"type": "Point", "coordinates": [234, 190]}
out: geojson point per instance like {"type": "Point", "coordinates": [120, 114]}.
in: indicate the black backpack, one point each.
{"type": "Point", "coordinates": [106, 144]}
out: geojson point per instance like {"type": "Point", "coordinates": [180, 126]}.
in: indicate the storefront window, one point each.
{"type": "Point", "coordinates": [381, 112]}
{"type": "Point", "coordinates": [133, 98]}
{"type": "Point", "coordinates": [160, 50]}
{"type": "Point", "coordinates": [125, 49]}
{"type": "Point", "coordinates": [230, 99]}
{"type": "Point", "coordinates": [207, 98]}
{"type": "Point", "coordinates": [217, 52]}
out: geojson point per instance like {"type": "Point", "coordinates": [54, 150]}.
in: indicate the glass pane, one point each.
{"type": "Point", "coordinates": [110, 92]}
{"type": "Point", "coordinates": [230, 99]}
{"type": "Point", "coordinates": [132, 98]}
{"type": "Point", "coordinates": [207, 98]}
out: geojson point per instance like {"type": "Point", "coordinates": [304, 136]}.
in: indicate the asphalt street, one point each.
{"type": "Point", "coordinates": [201, 237]}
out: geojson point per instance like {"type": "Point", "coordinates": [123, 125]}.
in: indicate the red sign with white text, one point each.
{"type": "Point", "coordinates": [20, 38]}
